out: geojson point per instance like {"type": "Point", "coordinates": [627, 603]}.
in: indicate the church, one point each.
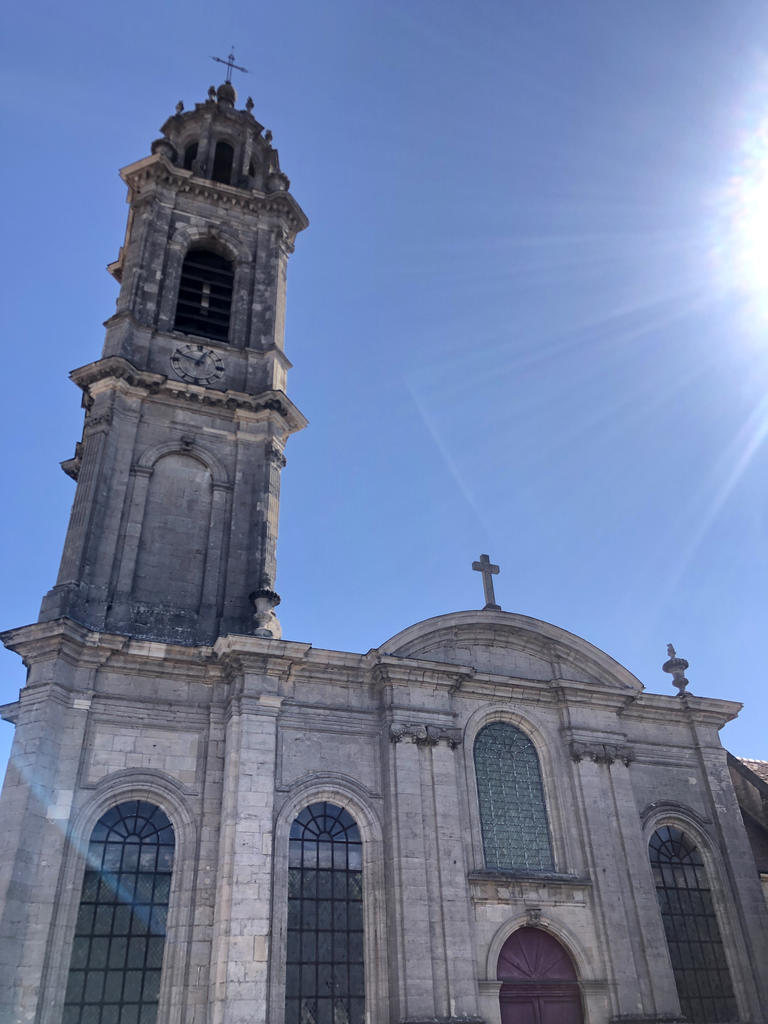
{"type": "Point", "coordinates": [483, 820]}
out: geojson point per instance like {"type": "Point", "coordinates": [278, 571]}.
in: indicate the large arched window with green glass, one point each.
{"type": "Point", "coordinates": [117, 955]}
{"type": "Point", "coordinates": [324, 981]}
{"type": "Point", "coordinates": [513, 815]}
{"type": "Point", "coordinates": [690, 924]}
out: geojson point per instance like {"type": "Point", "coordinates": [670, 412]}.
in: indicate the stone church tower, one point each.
{"type": "Point", "coordinates": [484, 819]}
{"type": "Point", "coordinates": [174, 524]}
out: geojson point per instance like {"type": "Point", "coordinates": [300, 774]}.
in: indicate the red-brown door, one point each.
{"type": "Point", "coordinates": [538, 978]}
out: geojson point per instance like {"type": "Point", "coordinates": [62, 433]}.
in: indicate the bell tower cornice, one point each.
{"type": "Point", "coordinates": [147, 178]}
{"type": "Point", "coordinates": [116, 373]}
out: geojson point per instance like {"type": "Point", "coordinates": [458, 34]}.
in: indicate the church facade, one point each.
{"type": "Point", "coordinates": [484, 819]}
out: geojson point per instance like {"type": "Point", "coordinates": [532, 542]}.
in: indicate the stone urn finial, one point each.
{"type": "Point", "coordinates": [265, 622]}
{"type": "Point", "coordinates": [676, 668]}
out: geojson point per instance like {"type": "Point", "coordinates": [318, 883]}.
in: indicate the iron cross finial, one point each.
{"type": "Point", "coordinates": [488, 570]}
{"type": "Point", "coordinates": [230, 62]}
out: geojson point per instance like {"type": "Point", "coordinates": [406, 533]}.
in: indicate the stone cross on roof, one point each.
{"type": "Point", "coordinates": [486, 567]}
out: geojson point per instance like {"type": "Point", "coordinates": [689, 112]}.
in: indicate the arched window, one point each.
{"type": "Point", "coordinates": [190, 155]}
{"type": "Point", "coordinates": [117, 955]}
{"type": "Point", "coordinates": [690, 924]}
{"type": "Point", "coordinates": [513, 816]}
{"type": "Point", "coordinates": [324, 963]}
{"type": "Point", "coordinates": [205, 295]}
{"type": "Point", "coordinates": [222, 162]}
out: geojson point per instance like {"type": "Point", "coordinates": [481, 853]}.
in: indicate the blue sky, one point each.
{"type": "Point", "coordinates": [529, 317]}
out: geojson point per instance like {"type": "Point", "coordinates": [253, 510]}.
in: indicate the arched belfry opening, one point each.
{"type": "Point", "coordinates": [205, 295]}
{"type": "Point", "coordinates": [538, 980]}
{"type": "Point", "coordinates": [190, 155]}
{"type": "Point", "coordinates": [223, 159]}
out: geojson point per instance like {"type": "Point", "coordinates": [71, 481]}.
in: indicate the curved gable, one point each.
{"type": "Point", "coordinates": [508, 644]}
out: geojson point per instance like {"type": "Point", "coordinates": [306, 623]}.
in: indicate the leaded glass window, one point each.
{"type": "Point", "coordinates": [513, 816]}
{"type": "Point", "coordinates": [117, 954]}
{"type": "Point", "coordinates": [324, 981]}
{"type": "Point", "coordinates": [690, 924]}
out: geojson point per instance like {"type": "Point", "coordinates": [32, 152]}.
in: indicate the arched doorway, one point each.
{"type": "Point", "coordinates": [538, 979]}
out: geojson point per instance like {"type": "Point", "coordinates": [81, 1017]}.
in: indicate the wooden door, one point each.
{"type": "Point", "coordinates": [539, 984]}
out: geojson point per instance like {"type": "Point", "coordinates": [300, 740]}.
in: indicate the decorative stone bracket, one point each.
{"type": "Point", "coordinates": [601, 753]}
{"type": "Point", "coordinates": [424, 735]}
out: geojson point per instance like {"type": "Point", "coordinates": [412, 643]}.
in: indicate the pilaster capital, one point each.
{"type": "Point", "coordinates": [424, 735]}
{"type": "Point", "coordinates": [601, 753]}
{"type": "Point", "coordinates": [274, 454]}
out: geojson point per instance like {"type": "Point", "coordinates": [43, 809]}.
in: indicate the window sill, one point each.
{"type": "Point", "coordinates": [550, 877]}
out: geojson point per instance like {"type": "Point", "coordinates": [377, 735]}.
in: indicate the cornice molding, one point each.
{"type": "Point", "coordinates": [119, 370]}
{"type": "Point", "coordinates": [712, 711]}
{"type": "Point", "coordinates": [92, 649]}
{"type": "Point", "coordinates": [157, 170]}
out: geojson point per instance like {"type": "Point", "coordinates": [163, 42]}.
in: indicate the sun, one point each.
{"type": "Point", "coordinates": [743, 246]}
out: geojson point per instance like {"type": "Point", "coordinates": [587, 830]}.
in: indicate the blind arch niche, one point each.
{"type": "Point", "coordinates": [513, 814]}
{"type": "Point", "coordinates": [173, 546]}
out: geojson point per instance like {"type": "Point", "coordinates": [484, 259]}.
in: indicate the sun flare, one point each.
{"type": "Point", "coordinates": [744, 249]}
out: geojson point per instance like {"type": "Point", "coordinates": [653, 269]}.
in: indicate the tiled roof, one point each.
{"type": "Point", "coordinates": [760, 768]}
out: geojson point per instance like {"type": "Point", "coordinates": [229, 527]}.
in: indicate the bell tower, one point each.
{"type": "Point", "coordinates": [173, 529]}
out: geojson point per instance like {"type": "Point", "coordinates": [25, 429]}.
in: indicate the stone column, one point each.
{"type": "Point", "coordinates": [457, 995]}
{"type": "Point", "coordinates": [90, 473]}
{"type": "Point", "coordinates": [416, 995]}
{"type": "Point", "coordinates": [742, 920]}
{"type": "Point", "coordinates": [240, 954]}
{"type": "Point", "coordinates": [139, 486]}
{"type": "Point", "coordinates": [196, 996]}
{"type": "Point", "coordinates": [605, 857]}
{"type": "Point", "coordinates": [213, 580]}
{"type": "Point", "coordinates": [35, 808]}
{"type": "Point", "coordinates": [647, 930]}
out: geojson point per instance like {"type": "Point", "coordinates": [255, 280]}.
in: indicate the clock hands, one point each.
{"type": "Point", "coordinates": [197, 364]}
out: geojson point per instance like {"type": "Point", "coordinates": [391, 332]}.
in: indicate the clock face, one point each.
{"type": "Point", "coordinates": [197, 364]}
